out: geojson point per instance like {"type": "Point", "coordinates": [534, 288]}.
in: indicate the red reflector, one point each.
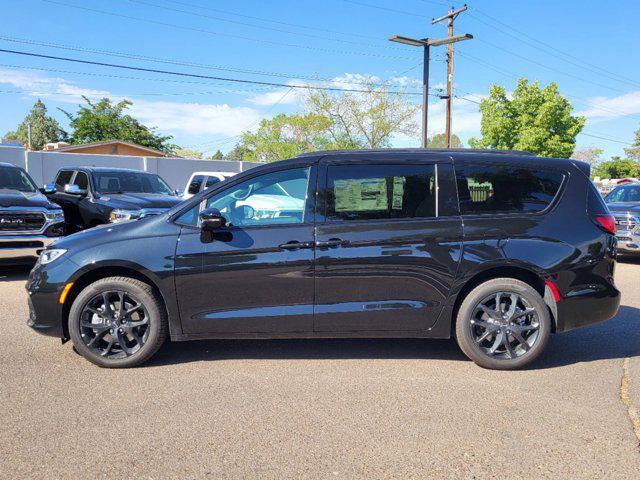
{"type": "Point", "coordinates": [554, 290]}
{"type": "Point", "coordinates": [606, 223]}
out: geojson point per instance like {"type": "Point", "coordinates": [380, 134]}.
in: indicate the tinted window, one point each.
{"type": "Point", "coordinates": [64, 177]}
{"type": "Point", "coordinates": [376, 192]}
{"type": "Point", "coordinates": [130, 182]}
{"type": "Point", "coordinates": [195, 184]}
{"type": "Point", "coordinates": [15, 179]}
{"type": "Point", "coordinates": [628, 193]}
{"type": "Point", "coordinates": [81, 180]}
{"type": "Point", "coordinates": [501, 188]}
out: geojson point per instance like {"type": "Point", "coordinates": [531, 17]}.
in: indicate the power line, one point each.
{"type": "Point", "coordinates": [194, 75]}
{"type": "Point", "coordinates": [585, 65]}
{"type": "Point", "coordinates": [253, 25]}
{"type": "Point", "coordinates": [169, 61]}
{"type": "Point", "coordinates": [276, 22]}
{"type": "Point", "coordinates": [261, 41]}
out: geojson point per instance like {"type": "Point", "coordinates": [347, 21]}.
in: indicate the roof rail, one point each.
{"type": "Point", "coordinates": [421, 150]}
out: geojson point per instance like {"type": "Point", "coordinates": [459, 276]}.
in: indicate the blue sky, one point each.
{"type": "Point", "coordinates": [589, 50]}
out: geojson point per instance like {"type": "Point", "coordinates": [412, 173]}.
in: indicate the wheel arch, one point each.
{"type": "Point", "coordinates": [519, 272]}
{"type": "Point", "coordinates": [104, 271]}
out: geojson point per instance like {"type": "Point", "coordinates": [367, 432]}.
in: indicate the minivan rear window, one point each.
{"type": "Point", "coordinates": [376, 192]}
{"type": "Point", "coordinates": [504, 189]}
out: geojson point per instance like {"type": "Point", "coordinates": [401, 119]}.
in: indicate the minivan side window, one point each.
{"type": "Point", "coordinates": [379, 192]}
{"type": "Point", "coordinates": [194, 185]}
{"type": "Point", "coordinates": [274, 198]}
{"type": "Point", "coordinates": [505, 189]}
{"type": "Point", "coordinates": [64, 177]}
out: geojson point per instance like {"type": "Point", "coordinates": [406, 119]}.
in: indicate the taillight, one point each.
{"type": "Point", "coordinates": [605, 222]}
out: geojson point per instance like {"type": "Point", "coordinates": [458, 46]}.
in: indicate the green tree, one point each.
{"type": "Point", "coordinates": [101, 121]}
{"type": "Point", "coordinates": [367, 119]}
{"type": "Point", "coordinates": [633, 153]}
{"type": "Point", "coordinates": [217, 156]}
{"type": "Point", "coordinates": [591, 155]}
{"type": "Point", "coordinates": [534, 119]}
{"type": "Point", "coordinates": [188, 153]}
{"type": "Point", "coordinates": [332, 120]}
{"type": "Point", "coordinates": [237, 154]}
{"type": "Point", "coordinates": [44, 128]}
{"type": "Point", "coordinates": [438, 141]}
{"type": "Point", "coordinates": [617, 168]}
{"type": "Point", "coordinates": [285, 136]}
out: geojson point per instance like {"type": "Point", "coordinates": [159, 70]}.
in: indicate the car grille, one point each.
{"type": "Point", "coordinates": [626, 222]}
{"type": "Point", "coordinates": [21, 222]}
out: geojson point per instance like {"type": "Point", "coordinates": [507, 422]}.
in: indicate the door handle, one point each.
{"type": "Point", "coordinates": [332, 243]}
{"type": "Point", "coordinates": [293, 245]}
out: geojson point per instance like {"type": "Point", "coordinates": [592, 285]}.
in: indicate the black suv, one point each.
{"type": "Point", "coordinates": [624, 203]}
{"type": "Point", "coordinates": [93, 196]}
{"type": "Point", "coordinates": [28, 221]}
{"type": "Point", "coordinates": [497, 249]}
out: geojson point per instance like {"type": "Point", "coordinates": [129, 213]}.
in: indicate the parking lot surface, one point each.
{"type": "Point", "coordinates": [321, 408]}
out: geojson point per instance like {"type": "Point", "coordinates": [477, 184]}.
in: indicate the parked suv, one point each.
{"type": "Point", "coordinates": [28, 221]}
{"type": "Point", "coordinates": [624, 203]}
{"type": "Point", "coordinates": [93, 196]}
{"type": "Point", "coordinates": [497, 249]}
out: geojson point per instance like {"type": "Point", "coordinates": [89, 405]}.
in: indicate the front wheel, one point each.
{"type": "Point", "coordinates": [503, 324]}
{"type": "Point", "coordinates": [117, 322]}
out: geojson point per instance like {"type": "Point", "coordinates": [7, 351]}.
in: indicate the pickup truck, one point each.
{"type": "Point", "coordinates": [92, 196]}
{"type": "Point", "coordinates": [29, 222]}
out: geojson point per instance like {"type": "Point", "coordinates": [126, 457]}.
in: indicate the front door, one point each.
{"type": "Point", "coordinates": [388, 243]}
{"type": "Point", "coordinates": [255, 275]}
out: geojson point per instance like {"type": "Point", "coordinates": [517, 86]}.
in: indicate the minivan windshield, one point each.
{"type": "Point", "coordinates": [628, 193]}
{"type": "Point", "coordinates": [12, 178]}
{"type": "Point", "coordinates": [130, 182]}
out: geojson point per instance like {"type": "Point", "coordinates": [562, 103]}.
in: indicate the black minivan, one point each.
{"type": "Point", "coordinates": [497, 249]}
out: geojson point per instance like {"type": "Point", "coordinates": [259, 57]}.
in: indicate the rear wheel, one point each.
{"type": "Point", "coordinates": [117, 322]}
{"type": "Point", "coordinates": [503, 324]}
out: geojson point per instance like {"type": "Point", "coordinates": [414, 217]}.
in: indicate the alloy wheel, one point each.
{"type": "Point", "coordinates": [114, 324]}
{"type": "Point", "coordinates": [504, 325]}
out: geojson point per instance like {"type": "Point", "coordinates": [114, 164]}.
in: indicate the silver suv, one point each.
{"type": "Point", "coordinates": [624, 203]}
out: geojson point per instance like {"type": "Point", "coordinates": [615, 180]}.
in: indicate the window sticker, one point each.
{"type": "Point", "coordinates": [398, 193]}
{"type": "Point", "coordinates": [360, 195]}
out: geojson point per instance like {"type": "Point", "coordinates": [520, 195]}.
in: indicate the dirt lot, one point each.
{"type": "Point", "coordinates": [321, 409]}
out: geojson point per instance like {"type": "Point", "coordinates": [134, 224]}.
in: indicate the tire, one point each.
{"type": "Point", "coordinates": [517, 337]}
{"type": "Point", "coordinates": [118, 322]}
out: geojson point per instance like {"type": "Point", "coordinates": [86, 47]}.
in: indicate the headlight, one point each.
{"type": "Point", "coordinates": [48, 256]}
{"type": "Point", "coordinates": [123, 215]}
{"type": "Point", "coordinates": [54, 216]}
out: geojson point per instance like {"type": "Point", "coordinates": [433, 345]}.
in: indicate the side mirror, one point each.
{"type": "Point", "coordinates": [48, 189]}
{"type": "Point", "coordinates": [178, 192]}
{"type": "Point", "coordinates": [74, 190]}
{"type": "Point", "coordinates": [211, 219]}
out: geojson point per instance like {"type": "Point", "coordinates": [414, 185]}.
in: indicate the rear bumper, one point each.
{"type": "Point", "coordinates": [22, 248]}
{"type": "Point", "coordinates": [586, 306]}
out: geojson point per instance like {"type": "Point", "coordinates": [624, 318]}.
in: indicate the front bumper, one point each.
{"type": "Point", "coordinates": [23, 248]}
{"type": "Point", "coordinates": [628, 245]}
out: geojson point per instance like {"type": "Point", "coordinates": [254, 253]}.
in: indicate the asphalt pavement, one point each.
{"type": "Point", "coordinates": [321, 408]}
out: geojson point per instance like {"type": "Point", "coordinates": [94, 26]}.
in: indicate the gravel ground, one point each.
{"type": "Point", "coordinates": [321, 408]}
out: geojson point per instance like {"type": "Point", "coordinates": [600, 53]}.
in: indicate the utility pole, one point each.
{"type": "Point", "coordinates": [427, 43]}
{"type": "Point", "coordinates": [29, 134]}
{"type": "Point", "coordinates": [450, 17]}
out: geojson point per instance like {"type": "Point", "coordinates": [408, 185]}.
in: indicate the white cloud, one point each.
{"type": "Point", "coordinates": [190, 118]}
{"type": "Point", "coordinates": [195, 118]}
{"type": "Point", "coordinates": [37, 85]}
{"type": "Point", "coordinates": [601, 109]}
